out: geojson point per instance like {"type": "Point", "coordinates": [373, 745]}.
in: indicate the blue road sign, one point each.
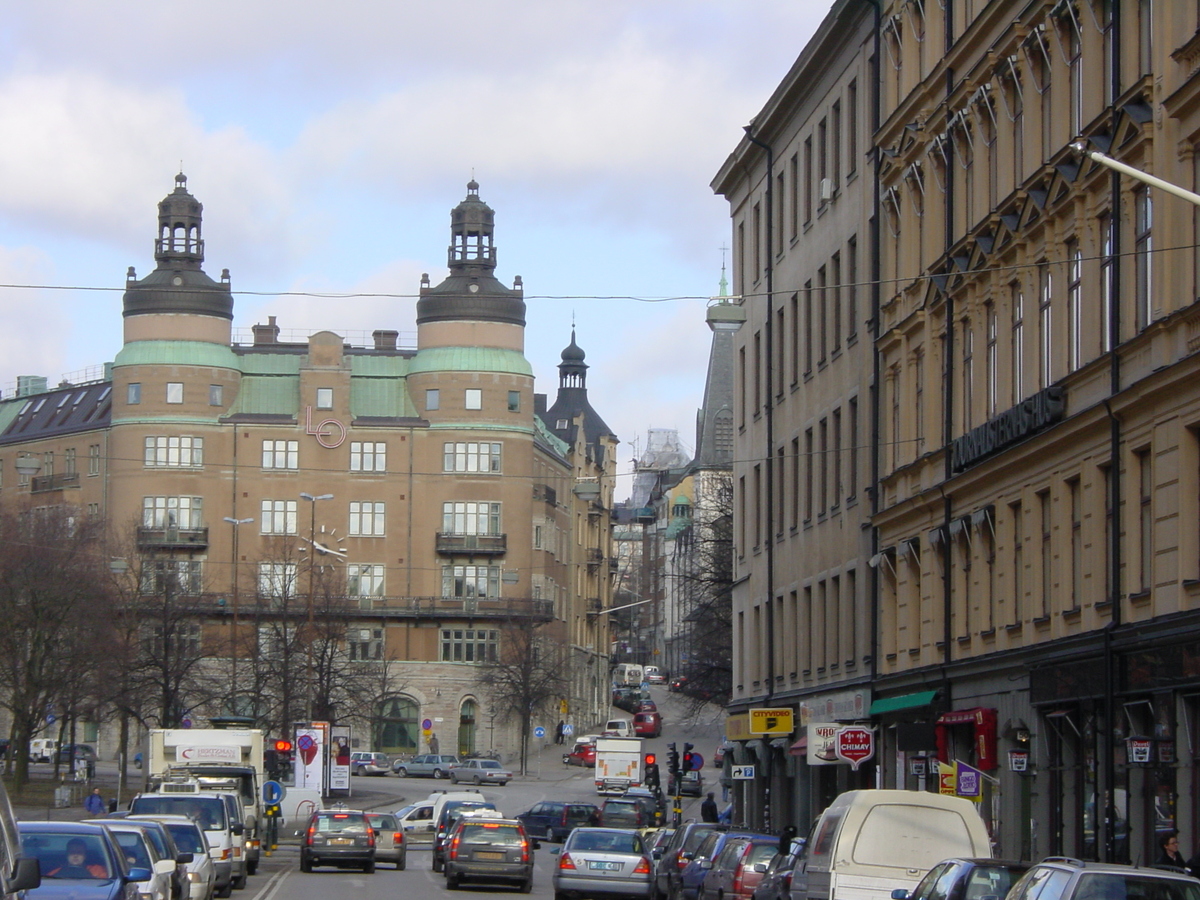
{"type": "Point", "coordinates": [539, 732]}
{"type": "Point", "coordinates": [697, 760]}
{"type": "Point", "coordinates": [273, 792]}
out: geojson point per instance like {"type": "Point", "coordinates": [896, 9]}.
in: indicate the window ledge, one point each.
{"type": "Point", "coordinates": [964, 639]}
{"type": "Point", "coordinates": [1072, 613]}
{"type": "Point", "coordinates": [988, 633]}
{"type": "Point", "coordinates": [1140, 597]}
{"type": "Point", "coordinates": [890, 657]}
{"type": "Point", "coordinates": [1014, 627]}
{"type": "Point", "coordinates": [1041, 620]}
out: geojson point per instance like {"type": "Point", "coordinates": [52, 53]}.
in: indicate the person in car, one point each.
{"type": "Point", "coordinates": [77, 865]}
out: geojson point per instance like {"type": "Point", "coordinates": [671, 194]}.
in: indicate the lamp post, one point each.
{"type": "Point", "coordinates": [233, 628]}
{"type": "Point", "coordinates": [312, 567]}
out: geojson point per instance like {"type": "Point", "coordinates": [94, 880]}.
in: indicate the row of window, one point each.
{"type": "Point", "coordinates": [187, 451]}
{"type": "Point", "coordinates": [173, 393]}
{"type": "Point", "coordinates": [472, 399]}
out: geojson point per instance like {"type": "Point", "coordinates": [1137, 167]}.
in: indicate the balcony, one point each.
{"type": "Point", "coordinates": [595, 556]}
{"type": "Point", "coordinates": [172, 538]}
{"type": "Point", "coordinates": [373, 609]}
{"type": "Point", "coordinates": [449, 544]}
{"type": "Point", "coordinates": [42, 483]}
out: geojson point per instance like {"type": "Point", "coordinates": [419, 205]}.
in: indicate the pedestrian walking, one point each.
{"type": "Point", "coordinates": [94, 803]}
{"type": "Point", "coordinates": [558, 732]}
{"type": "Point", "coordinates": [1169, 855]}
{"type": "Point", "coordinates": [708, 809]}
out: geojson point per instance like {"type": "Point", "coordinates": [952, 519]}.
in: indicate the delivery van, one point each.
{"type": "Point", "coordinates": [868, 843]}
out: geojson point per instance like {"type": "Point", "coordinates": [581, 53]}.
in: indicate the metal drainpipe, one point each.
{"type": "Point", "coordinates": [770, 467]}
{"type": "Point", "coordinates": [873, 430]}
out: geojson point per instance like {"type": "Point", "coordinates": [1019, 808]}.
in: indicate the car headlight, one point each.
{"type": "Point", "coordinates": [194, 877]}
{"type": "Point", "coordinates": [146, 895]}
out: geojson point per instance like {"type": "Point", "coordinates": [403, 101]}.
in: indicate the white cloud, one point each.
{"type": "Point", "coordinates": [35, 324]}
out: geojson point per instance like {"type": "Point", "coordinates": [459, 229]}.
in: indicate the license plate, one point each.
{"type": "Point", "coordinates": [342, 841]}
{"type": "Point", "coordinates": [604, 866]}
{"type": "Point", "coordinates": [488, 854]}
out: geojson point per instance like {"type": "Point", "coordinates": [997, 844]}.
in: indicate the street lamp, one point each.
{"type": "Point", "coordinates": [233, 628]}
{"type": "Point", "coordinates": [312, 564]}
{"type": "Point", "coordinates": [28, 465]}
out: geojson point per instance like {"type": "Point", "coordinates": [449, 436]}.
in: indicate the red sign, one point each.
{"type": "Point", "coordinates": [854, 744]}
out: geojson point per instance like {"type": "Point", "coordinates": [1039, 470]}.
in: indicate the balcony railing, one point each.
{"type": "Point", "coordinates": [439, 609]}
{"type": "Point", "coordinates": [41, 483]}
{"type": "Point", "coordinates": [449, 544]}
{"type": "Point", "coordinates": [172, 538]}
{"type": "Point", "coordinates": [595, 556]}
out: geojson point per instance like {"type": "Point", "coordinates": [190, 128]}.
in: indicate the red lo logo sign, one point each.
{"type": "Point", "coordinates": [854, 744]}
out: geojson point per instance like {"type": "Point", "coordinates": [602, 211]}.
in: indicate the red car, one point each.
{"type": "Point", "coordinates": [582, 754]}
{"type": "Point", "coordinates": [647, 724]}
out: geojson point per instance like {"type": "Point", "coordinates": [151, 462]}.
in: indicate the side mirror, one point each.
{"type": "Point", "coordinates": [27, 876]}
{"type": "Point", "coordinates": [184, 858]}
{"type": "Point", "coordinates": [238, 829]}
{"type": "Point", "coordinates": [164, 867]}
{"type": "Point", "coordinates": [760, 867]}
{"type": "Point", "coordinates": [139, 873]}
{"type": "Point", "coordinates": [899, 894]}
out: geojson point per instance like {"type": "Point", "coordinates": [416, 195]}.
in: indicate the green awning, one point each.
{"type": "Point", "coordinates": [905, 701]}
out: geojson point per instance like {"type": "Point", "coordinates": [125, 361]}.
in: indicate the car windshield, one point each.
{"type": "Point", "coordinates": [209, 812]}
{"type": "Point", "coordinates": [68, 856]}
{"type": "Point", "coordinates": [491, 833]}
{"type": "Point", "coordinates": [1105, 886]}
{"type": "Point", "coordinates": [187, 838]}
{"type": "Point", "coordinates": [606, 841]}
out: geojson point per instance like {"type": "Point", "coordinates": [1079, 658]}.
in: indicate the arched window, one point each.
{"type": "Point", "coordinates": [396, 727]}
{"type": "Point", "coordinates": [466, 727]}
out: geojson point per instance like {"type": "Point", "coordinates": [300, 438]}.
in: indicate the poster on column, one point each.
{"type": "Point", "coordinates": [310, 758]}
{"type": "Point", "coordinates": [339, 758]}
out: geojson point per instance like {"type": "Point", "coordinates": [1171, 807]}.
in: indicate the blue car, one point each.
{"type": "Point", "coordinates": [78, 862]}
{"type": "Point", "coordinates": [691, 879]}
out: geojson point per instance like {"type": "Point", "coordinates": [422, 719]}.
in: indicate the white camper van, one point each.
{"type": "Point", "coordinates": [868, 843]}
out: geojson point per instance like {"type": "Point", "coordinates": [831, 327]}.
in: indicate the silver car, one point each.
{"type": "Point", "coordinates": [189, 838]}
{"type": "Point", "coordinates": [601, 862]}
{"type": "Point", "coordinates": [141, 853]}
{"type": "Point", "coordinates": [481, 771]}
{"type": "Point", "coordinates": [390, 843]}
{"type": "Point", "coordinates": [369, 762]}
{"type": "Point", "coordinates": [429, 765]}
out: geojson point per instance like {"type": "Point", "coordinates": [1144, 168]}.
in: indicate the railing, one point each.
{"type": "Point", "coordinates": [172, 538]}
{"type": "Point", "coordinates": [449, 544]}
{"type": "Point", "coordinates": [41, 483]}
{"type": "Point", "coordinates": [376, 608]}
{"type": "Point", "coordinates": [595, 556]}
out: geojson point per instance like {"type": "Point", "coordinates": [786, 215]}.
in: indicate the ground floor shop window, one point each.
{"type": "Point", "coordinates": [396, 728]}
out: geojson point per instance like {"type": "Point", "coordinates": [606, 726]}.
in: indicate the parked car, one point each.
{"type": "Point", "coordinates": [68, 752]}
{"type": "Point", "coordinates": [189, 839]}
{"type": "Point", "coordinates": [692, 784]}
{"type": "Point", "coordinates": [390, 845]}
{"type": "Point", "coordinates": [649, 801]}
{"type": "Point", "coordinates": [1071, 879]}
{"type": "Point", "coordinates": [554, 819]}
{"type": "Point", "coordinates": [739, 868]}
{"type": "Point", "coordinates": [369, 762]}
{"type": "Point", "coordinates": [165, 845]}
{"type": "Point", "coordinates": [678, 853]}
{"type": "Point", "coordinates": [452, 810]}
{"type": "Point", "coordinates": [654, 676]}
{"type": "Point", "coordinates": [427, 765]}
{"type": "Point", "coordinates": [481, 771]}
{"type": "Point", "coordinates": [965, 879]}
{"type": "Point", "coordinates": [647, 724]}
{"type": "Point", "coordinates": [691, 879]}
{"type": "Point", "coordinates": [647, 706]}
{"type": "Point", "coordinates": [776, 883]}
{"type": "Point", "coordinates": [582, 754]}
{"type": "Point", "coordinates": [617, 728]}
{"type": "Point", "coordinates": [483, 848]}
{"type": "Point", "coordinates": [630, 699]}
{"type": "Point", "coordinates": [338, 837]}
{"type": "Point", "coordinates": [77, 860]}
{"type": "Point", "coordinates": [600, 863]}
{"type": "Point", "coordinates": [223, 835]}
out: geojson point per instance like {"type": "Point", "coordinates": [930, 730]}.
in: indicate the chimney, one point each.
{"type": "Point", "coordinates": [385, 339]}
{"type": "Point", "coordinates": [266, 334]}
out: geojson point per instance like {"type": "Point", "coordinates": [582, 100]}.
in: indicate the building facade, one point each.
{"type": "Point", "coordinates": [418, 498]}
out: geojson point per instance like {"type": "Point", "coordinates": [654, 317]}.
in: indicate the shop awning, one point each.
{"type": "Point", "coordinates": [905, 701]}
{"type": "Point", "coordinates": [800, 748]}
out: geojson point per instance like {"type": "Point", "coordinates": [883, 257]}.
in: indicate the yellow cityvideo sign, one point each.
{"type": "Point", "coordinates": [772, 721]}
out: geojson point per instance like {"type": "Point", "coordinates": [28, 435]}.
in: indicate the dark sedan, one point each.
{"type": "Point", "coordinates": [965, 879]}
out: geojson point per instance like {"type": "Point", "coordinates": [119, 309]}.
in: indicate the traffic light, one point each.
{"type": "Point", "coordinates": [279, 760]}
{"type": "Point", "coordinates": [687, 758]}
{"type": "Point", "coordinates": [672, 760]}
{"type": "Point", "coordinates": [650, 778]}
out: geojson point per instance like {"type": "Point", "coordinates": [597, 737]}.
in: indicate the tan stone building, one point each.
{"type": "Point", "coordinates": [1033, 417]}
{"type": "Point", "coordinates": [428, 490]}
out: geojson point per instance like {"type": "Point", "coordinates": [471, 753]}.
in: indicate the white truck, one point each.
{"type": "Point", "coordinates": [618, 764]}
{"type": "Point", "coordinates": [221, 759]}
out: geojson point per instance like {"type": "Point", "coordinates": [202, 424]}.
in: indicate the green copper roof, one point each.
{"type": "Point", "coordinates": [469, 359]}
{"type": "Point", "coordinates": [268, 394]}
{"type": "Point", "coordinates": [177, 353]}
{"type": "Point", "coordinates": [271, 363]}
{"type": "Point", "coordinates": [380, 397]}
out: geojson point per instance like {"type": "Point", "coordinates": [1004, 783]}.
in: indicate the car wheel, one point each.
{"type": "Point", "coordinates": [402, 862]}
{"type": "Point", "coordinates": [526, 885]}
{"type": "Point", "coordinates": [369, 868]}
{"type": "Point", "coordinates": [439, 774]}
{"type": "Point", "coordinates": [437, 864]}
{"type": "Point", "coordinates": [228, 889]}
{"type": "Point", "coordinates": [475, 781]}
{"type": "Point", "coordinates": [252, 867]}
{"type": "Point", "coordinates": [402, 772]}
{"type": "Point", "coordinates": [453, 778]}
{"type": "Point", "coordinates": [240, 882]}
{"type": "Point", "coordinates": [305, 863]}
{"type": "Point", "coordinates": [452, 882]}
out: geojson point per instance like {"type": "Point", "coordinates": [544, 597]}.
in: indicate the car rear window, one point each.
{"type": "Point", "coordinates": [493, 834]}
{"type": "Point", "coordinates": [607, 841]}
{"type": "Point", "coordinates": [890, 836]}
{"type": "Point", "coordinates": [1101, 886]}
{"type": "Point", "coordinates": [340, 823]}
{"type": "Point", "coordinates": [694, 838]}
{"type": "Point", "coordinates": [761, 853]}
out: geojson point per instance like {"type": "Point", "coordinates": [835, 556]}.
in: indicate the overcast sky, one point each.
{"type": "Point", "coordinates": [329, 141]}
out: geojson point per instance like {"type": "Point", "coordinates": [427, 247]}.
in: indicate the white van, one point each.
{"type": "Point", "coordinates": [628, 673]}
{"type": "Point", "coordinates": [212, 812]}
{"type": "Point", "coordinates": [42, 749]}
{"type": "Point", "coordinates": [868, 843]}
{"type": "Point", "coordinates": [618, 728]}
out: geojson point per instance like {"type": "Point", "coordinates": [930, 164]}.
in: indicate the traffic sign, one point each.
{"type": "Point", "coordinates": [742, 773]}
{"type": "Point", "coordinates": [426, 724]}
{"type": "Point", "coordinates": [568, 730]}
{"type": "Point", "coordinates": [273, 792]}
{"type": "Point", "coordinates": [539, 732]}
{"type": "Point", "coordinates": [777, 721]}
{"type": "Point", "coordinates": [697, 761]}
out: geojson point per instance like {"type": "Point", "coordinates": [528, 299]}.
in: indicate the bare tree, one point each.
{"type": "Point", "coordinates": [54, 610]}
{"type": "Point", "coordinates": [526, 677]}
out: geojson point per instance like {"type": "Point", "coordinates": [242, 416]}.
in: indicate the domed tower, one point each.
{"type": "Point", "coordinates": [572, 401]}
{"type": "Point", "coordinates": [471, 307]}
{"type": "Point", "coordinates": [178, 301]}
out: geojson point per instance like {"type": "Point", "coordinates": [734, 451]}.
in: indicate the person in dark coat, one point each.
{"type": "Point", "coordinates": [708, 809]}
{"type": "Point", "coordinates": [1168, 843]}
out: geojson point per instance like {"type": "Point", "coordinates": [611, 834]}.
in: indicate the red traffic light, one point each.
{"type": "Point", "coordinates": [283, 746]}
{"type": "Point", "coordinates": [651, 759]}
